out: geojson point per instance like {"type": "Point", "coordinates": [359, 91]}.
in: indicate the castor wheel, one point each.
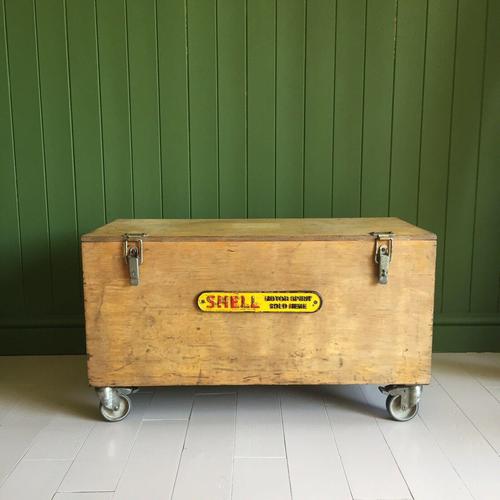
{"type": "Point", "coordinates": [114, 403]}
{"type": "Point", "coordinates": [397, 412]}
{"type": "Point", "coordinates": [402, 401]}
{"type": "Point", "coordinates": [118, 413]}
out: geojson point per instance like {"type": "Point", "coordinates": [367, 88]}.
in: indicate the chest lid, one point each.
{"type": "Point", "coordinates": [258, 229]}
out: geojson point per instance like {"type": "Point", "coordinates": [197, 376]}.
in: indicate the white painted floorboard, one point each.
{"type": "Point", "coordinates": [170, 403]}
{"type": "Point", "coordinates": [34, 480]}
{"type": "Point", "coordinates": [471, 455]}
{"type": "Point", "coordinates": [259, 428]}
{"type": "Point", "coordinates": [153, 463]}
{"type": "Point", "coordinates": [314, 463]}
{"type": "Point", "coordinates": [426, 469]}
{"type": "Point", "coordinates": [61, 439]}
{"type": "Point", "coordinates": [203, 443]}
{"type": "Point", "coordinates": [484, 367]}
{"type": "Point", "coordinates": [261, 478]}
{"type": "Point", "coordinates": [474, 400]}
{"type": "Point", "coordinates": [94, 495]}
{"type": "Point", "coordinates": [495, 392]}
{"type": "Point", "coordinates": [18, 429]}
{"type": "Point", "coordinates": [366, 457]}
{"type": "Point", "coordinates": [102, 458]}
{"type": "Point", "coordinates": [206, 465]}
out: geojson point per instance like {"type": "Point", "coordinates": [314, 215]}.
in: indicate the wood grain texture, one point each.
{"type": "Point", "coordinates": [256, 229]}
{"type": "Point", "coordinates": [153, 334]}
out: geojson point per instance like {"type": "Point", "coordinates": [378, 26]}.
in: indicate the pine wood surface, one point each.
{"type": "Point", "coordinates": [153, 334]}
{"type": "Point", "coordinates": [258, 229]}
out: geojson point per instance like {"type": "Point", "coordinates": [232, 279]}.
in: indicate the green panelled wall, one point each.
{"type": "Point", "coordinates": [246, 108]}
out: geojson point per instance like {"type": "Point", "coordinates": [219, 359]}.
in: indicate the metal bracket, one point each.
{"type": "Point", "coordinates": [109, 397]}
{"type": "Point", "coordinates": [133, 251]}
{"type": "Point", "coordinates": [383, 254]}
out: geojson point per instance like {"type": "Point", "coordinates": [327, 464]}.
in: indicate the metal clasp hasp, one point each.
{"type": "Point", "coordinates": [383, 255]}
{"type": "Point", "coordinates": [133, 251]}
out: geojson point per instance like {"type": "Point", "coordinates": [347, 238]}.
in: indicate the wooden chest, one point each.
{"type": "Point", "coordinates": [262, 301]}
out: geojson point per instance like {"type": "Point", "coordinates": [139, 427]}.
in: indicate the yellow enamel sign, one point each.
{"type": "Point", "coordinates": [304, 302]}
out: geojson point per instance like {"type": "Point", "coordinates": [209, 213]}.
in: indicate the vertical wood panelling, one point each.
{"type": "Point", "coordinates": [465, 128]}
{"type": "Point", "coordinates": [485, 289]}
{"type": "Point", "coordinates": [261, 49]}
{"type": "Point", "coordinates": [290, 44]}
{"type": "Point", "coordinates": [115, 104]}
{"type": "Point", "coordinates": [141, 22]}
{"type": "Point", "coordinates": [319, 89]}
{"type": "Point", "coordinates": [247, 108]}
{"type": "Point", "coordinates": [29, 151]}
{"type": "Point", "coordinates": [407, 112]}
{"type": "Point", "coordinates": [231, 68]}
{"type": "Point", "coordinates": [377, 118]}
{"type": "Point", "coordinates": [54, 90]}
{"type": "Point", "coordinates": [86, 115]}
{"type": "Point", "coordinates": [202, 48]}
{"type": "Point", "coordinates": [348, 110]}
{"type": "Point", "coordinates": [436, 120]}
{"type": "Point", "coordinates": [9, 220]}
{"type": "Point", "coordinates": [174, 102]}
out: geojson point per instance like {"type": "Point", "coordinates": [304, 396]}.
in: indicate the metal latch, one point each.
{"type": "Point", "coordinates": [383, 255]}
{"type": "Point", "coordinates": [133, 251]}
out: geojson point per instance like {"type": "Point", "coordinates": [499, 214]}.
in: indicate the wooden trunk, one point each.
{"type": "Point", "coordinates": [156, 334]}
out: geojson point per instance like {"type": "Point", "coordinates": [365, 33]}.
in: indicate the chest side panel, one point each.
{"type": "Point", "coordinates": [154, 333]}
